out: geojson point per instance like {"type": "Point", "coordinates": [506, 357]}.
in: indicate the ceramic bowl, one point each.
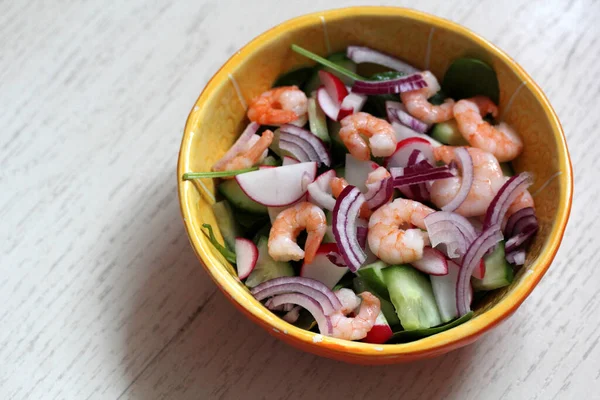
{"type": "Point", "coordinates": [427, 42]}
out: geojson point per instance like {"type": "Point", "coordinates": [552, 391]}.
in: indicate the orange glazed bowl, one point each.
{"type": "Point", "coordinates": [427, 42]}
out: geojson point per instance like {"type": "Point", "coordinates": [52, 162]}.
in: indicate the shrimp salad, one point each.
{"type": "Point", "coordinates": [367, 200]}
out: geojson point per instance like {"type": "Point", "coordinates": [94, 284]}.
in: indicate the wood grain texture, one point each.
{"type": "Point", "coordinates": [102, 296]}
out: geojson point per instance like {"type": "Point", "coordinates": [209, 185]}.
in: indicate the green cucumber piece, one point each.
{"type": "Point", "coordinates": [387, 308]}
{"type": "Point", "coordinates": [448, 133]}
{"type": "Point", "coordinates": [372, 274]}
{"type": "Point", "coordinates": [267, 268]}
{"type": "Point", "coordinates": [318, 121]}
{"type": "Point", "coordinates": [412, 296]}
{"type": "Point", "coordinates": [507, 169]}
{"type": "Point", "coordinates": [468, 77]}
{"type": "Point", "coordinates": [226, 222]}
{"type": "Point", "coordinates": [337, 58]}
{"type": "Point", "coordinates": [297, 77]}
{"type": "Point", "coordinates": [409, 336]}
{"type": "Point", "coordinates": [498, 272]}
{"type": "Point", "coordinates": [271, 161]}
{"type": "Point", "coordinates": [235, 195]}
{"type": "Point", "coordinates": [329, 238]}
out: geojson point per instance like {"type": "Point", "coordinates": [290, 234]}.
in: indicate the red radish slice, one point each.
{"type": "Point", "coordinates": [357, 171]}
{"type": "Point", "coordinates": [320, 190]}
{"type": "Point", "coordinates": [405, 148]}
{"type": "Point", "coordinates": [322, 269]}
{"type": "Point", "coordinates": [351, 104]}
{"type": "Point", "coordinates": [479, 271]}
{"type": "Point", "coordinates": [380, 332]}
{"type": "Point", "coordinates": [444, 291]}
{"type": "Point", "coordinates": [433, 262]}
{"type": "Point", "coordinates": [327, 104]}
{"type": "Point", "coordinates": [276, 187]}
{"type": "Point", "coordinates": [246, 254]}
{"type": "Point", "coordinates": [404, 132]}
{"type": "Point", "coordinates": [334, 86]}
{"type": "Point", "coordinates": [261, 167]}
{"type": "Point", "coordinates": [287, 160]}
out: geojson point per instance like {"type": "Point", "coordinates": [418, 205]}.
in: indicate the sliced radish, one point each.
{"type": "Point", "coordinates": [287, 160]}
{"type": "Point", "coordinates": [479, 272]}
{"type": "Point", "coordinates": [246, 254]}
{"type": "Point", "coordinates": [357, 171]}
{"type": "Point", "coordinates": [334, 86]}
{"type": "Point", "coordinates": [380, 332]}
{"type": "Point", "coordinates": [351, 104]}
{"type": "Point", "coordinates": [444, 291]}
{"type": "Point", "coordinates": [279, 186]}
{"type": "Point", "coordinates": [322, 269]}
{"type": "Point", "coordinates": [327, 104]}
{"type": "Point", "coordinates": [319, 191]}
{"type": "Point", "coordinates": [404, 132]}
{"type": "Point", "coordinates": [433, 262]}
{"type": "Point", "coordinates": [405, 148]}
{"type": "Point", "coordinates": [261, 167]}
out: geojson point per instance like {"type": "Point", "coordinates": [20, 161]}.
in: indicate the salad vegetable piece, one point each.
{"type": "Point", "coordinates": [370, 206]}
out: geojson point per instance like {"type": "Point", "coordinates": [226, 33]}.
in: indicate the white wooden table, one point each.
{"type": "Point", "coordinates": [101, 295]}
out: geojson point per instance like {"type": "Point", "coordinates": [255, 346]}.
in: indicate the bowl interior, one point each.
{"type": "Point", "coordinates": [424, 41]}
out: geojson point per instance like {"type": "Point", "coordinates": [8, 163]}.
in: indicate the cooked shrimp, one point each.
{"type": "Point", "coordinates": [251, 156]}
{"type": "Point", "coordinates": [500, 140]}
{"type": "Point", "coordinates": [356, 328]}
{"type": "Point", "coordinates": [523, 200]}
{"type": "Point", "coordinates": [288, 225]}
{"type": "Point", "coordinates": [279, 106]}
{"type": "Point", "coordinates": [378, 175]}
{"type": "Point", "coordinates": [417, 105]}
{"type": "Point", "coordinates": [349, 300]}
{"type": "Point", "coordinates": [382, 137]}
{"type": "Point", "coordinates": [389, 238]}
{"type": "Point", "coordinates": [338, 184]}
{"type": "Point", "coordinates": [487, 180]}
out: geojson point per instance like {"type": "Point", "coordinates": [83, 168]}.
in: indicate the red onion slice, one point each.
{"type": "Point", "coordinates": [396, 112]}
{"type": "Point", "coordinates": [311, 143]}
{"type": "Point", "coordinates": [308, 303]}
{"type": "Point", "coordinates": [432, 174]}
{"type": "Point", "coordinates": [336, 258]}
{"type": "Point", "coordinates": [345, 216]}
{"type": "Point", "coordinates": [489, 238]}
{"type": "Point", "coordinates": [516, 257]}
{"type": "Point", "coordinates": [465, 163]}
{"type": "Point", "coordinates": [461, 223]}
{"type": "Point", "coordinates": [511, 189]}
{"type": "Point", "coordinates": [379, 193]}
{"type": "Point", "coordinates": [292, 315]}
{"type": "Point", "coordinates": [398, 85]}
{"type": "Point", "coordinates": [307, 282]}
{"type": "Point", "coordinates": [360, 54]}
{"type": "Point", "coordinates": [361, 235]}
{"type": "Point", "coordinates": [238, 146]}
{"type": "Point", "coordinates": [294, 149]}
{"type": "Point", "coordinates": [404, 149]}
{"type": "Point", "coordinates": [328, 307]}
{"type": "Point", "coordinates": [516, 217]}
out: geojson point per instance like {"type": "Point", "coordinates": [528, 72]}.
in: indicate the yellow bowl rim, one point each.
{"type": "Point", "coordinates": [472, 328]}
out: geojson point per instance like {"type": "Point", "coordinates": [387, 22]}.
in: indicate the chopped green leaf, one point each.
{"type": "Point", "coordinates": [228, 254]}
{"type": "Point", "coordinates": [409, 336]}
{"type": "Point", "coordinates": [218, 174]}
{"type": "Point", "coordinates": [468, 77]}
{"type": "Point", "coordinates": [297, 77]}
{"type": "Point", "coordinates": [326, 63]}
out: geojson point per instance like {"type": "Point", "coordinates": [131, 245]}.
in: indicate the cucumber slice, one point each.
{"type": "Point", "coordinates": [387, 308]}
{"type": "Point", "coordinates": [271, 161]}
{"type": "Point", "coordinates": [235, 195]}
{"type": "Point", "coordinates": [409, 336]}
{"type": "Point", "coordinates": [412, 296]}
{"type": "Point", "coordinates": [498, 272]}
{"type": "Point", "coordinates": [447, 133]}
{"type": "Point", "coordinates": [468, 77]}
{"type": "Point", "coordinates": [226, 222]}
{"type": "Point", "coordinates": [317, 121]}
{"type": "Point", "coordinates": [297, 77]}
{"type": "Point", "coordinates": [372, 274]}
{"type": "Point", "coordinates": [507, 169]}
{"type": "Point", "coordinates": [337, 58]}
{"type": "Point", "coordinates": [267, 268]}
